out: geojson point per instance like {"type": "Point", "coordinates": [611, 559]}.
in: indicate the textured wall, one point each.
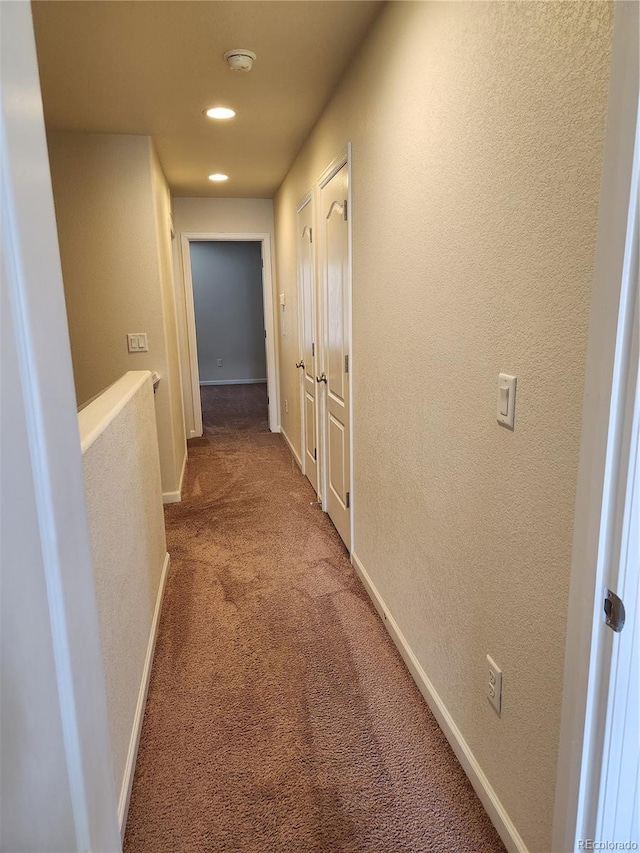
{"type": "Point", "coordinates": [126, 526]}
{"type": "Point", "coordinates": [227, 295]}
{"type": "Point", "coordinates": [477, 133]}
{"type": "Point", "coordinates": [110, 202]}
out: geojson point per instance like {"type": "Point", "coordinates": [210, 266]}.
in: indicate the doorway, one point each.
{"type": "Point", "coordinates": [229, 312]}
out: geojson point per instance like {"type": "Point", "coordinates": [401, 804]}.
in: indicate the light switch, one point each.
{"type": "Point", "coordinates": [137, 342]}
{"type": "Point", "coordinates": [506, 399]}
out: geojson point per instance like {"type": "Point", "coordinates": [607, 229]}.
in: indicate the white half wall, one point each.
{"type": "Point", "coordinates": [128, 545]}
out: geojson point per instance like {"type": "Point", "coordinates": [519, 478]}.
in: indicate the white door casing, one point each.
{"type": "Point", "coordinates": [334, 379]}
{"type": "Point", "coordinates": [604, 472]}
{"type": "Point", "coordinates": [192, 392]}
{"type": "Point", "coordinates": [307, 325]}
{"type": "Point", "coordinates": [618, 795]}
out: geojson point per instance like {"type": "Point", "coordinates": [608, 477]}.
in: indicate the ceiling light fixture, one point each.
{"type": "Point", "coordinates": [220, 112]}
{"type": "Point", "coordinates": [218, 177]}
{"type": "Point", "coordinates": [240, 59]}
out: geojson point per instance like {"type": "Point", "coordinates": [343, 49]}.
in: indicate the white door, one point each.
{"type": "Point", "coordinates": [618, 811]}
{"type": "Point", "coordinates": [307, 362]}
{"type": "Point", "coordinates": [619, 801]}
{"type": "Point", "coordinates": [334, 379]}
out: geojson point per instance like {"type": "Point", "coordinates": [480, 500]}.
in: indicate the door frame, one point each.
{"type": "Point", "coordinates": [588, 649]}
{"type": "Point", "coordinates": [343, 158]}
{"type": "Point", "coordinates": [304, 201]}
{"type": "Point", "coordinates": [188, 237]}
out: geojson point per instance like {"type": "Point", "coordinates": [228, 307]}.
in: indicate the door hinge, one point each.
{"type": "Point", "coordinates": [348, 501]}
{"type": "Point", "coordinates": [315, 453]}
{"type": "Point", "coordinates": [346, 364]}
{"type": "Point", "coordinates": [614, 613]}
{"type": "Point", "coordinates": [267, 399]}
{"type": "Point", "coordinates": [311, 235]}
{"type": "Point", "coordinates": [313, 349]}
{"type": "Point", "coordinates": [345, 214]}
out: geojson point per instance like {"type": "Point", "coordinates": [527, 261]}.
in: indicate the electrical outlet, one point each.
{"type": "Point", "coordinates": [494, 685]}
{"type": "Point", "coordinates": [286, 407]}
{"type": "Point", "coordinates": [219, 362]}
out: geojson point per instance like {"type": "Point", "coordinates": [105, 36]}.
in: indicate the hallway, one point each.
{"type": "Point", "coordinates": [280, 716]}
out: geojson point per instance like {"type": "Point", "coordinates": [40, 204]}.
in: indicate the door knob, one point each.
{"type": "Point", "coordinates": [300, 363]}
{"type": "Point", "coordinates": [322, 378]}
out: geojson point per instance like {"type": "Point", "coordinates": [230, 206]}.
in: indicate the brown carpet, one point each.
{"type": "Point", "coordinates": [280, 716]}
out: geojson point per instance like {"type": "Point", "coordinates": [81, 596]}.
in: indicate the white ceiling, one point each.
{"type": "Point", "coordinates": [152, 67]}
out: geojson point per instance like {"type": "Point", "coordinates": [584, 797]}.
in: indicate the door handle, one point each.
{"type": "Point", "coordinates": [300, 363]}
{"type": "Point", "coordinates": [322, 378]}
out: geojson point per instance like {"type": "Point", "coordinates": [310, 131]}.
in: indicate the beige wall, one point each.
{"type": "Point", "coordinates": [112, 208]}
{"type": "Point", "coordinates": [477, 133]}
{"type": "Point", "coordinates": [212, 215]}
{"type": "Point", "coordinates": [128, 547]}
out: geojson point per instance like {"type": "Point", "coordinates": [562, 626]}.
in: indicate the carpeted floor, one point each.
{"type": "Point", "coordinates": [280, 717]}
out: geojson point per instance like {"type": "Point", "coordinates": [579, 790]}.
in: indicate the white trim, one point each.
{"type": "Point", "coordinates": [352, 488]}
{"type": "Point", "coordinates": [291, 448]}
{"type": "Point", "coordinates": [334, 166]}
{"type": "Point", "coordinates": [233, 382]}
{"type": "Point", "coordinates": [487, 796]}
{"type": "Point", "coordinates": [586, 659]}
{"type": "Point", "coordinates": [190, 317]}
{"type": "Point", "coordinates": [268, 298]}
{"type": "Point", "coordinates": [304, 201]}
{"type": "Point", "coordinates": [134, 743]}
{"type": "Point", "coordinates": [176, 497]}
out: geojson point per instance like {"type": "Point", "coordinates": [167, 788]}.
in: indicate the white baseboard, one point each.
{"type": "Point", "coordinates": [233, 381]}
{"type": "Point", "coordinates": [487, 796]}
{"type": "Point", "coordinates": [176, 497]}
{"type": "Point", "coordinates": [291, 448]}
{"type": "Point", "coordinates": [182, 472]}
{"type": "Point", "coordinates": [130, 766]}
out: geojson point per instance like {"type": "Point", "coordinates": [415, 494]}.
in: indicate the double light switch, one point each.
{"type": "Point", "coordinates": [506, 399]}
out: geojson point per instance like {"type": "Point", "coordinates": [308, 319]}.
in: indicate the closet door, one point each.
{"type": "Point", "coordinates": [334, 378]}
{"type": "Point", "coordinates": [307, 361]}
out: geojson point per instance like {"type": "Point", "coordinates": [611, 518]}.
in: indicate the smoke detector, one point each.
{"type": "Point", "coordinates": [240, 59]}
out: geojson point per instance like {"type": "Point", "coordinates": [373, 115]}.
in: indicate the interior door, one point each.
{"type": "Point", "coordinates": [334, 378]}
{"type": "Point", "coordinates": [307, 362]}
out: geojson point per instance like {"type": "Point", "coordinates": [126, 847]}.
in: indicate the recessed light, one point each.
{"type": "Point", "coordinates": [220, 112]}
{"type": "Point", "coordinates": [218, 177]}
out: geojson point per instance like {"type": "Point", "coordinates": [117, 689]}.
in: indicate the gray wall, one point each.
{"type": "Point", "coordinates": [227, 294]}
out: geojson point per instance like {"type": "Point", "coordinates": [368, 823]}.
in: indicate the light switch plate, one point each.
{"type": "Point", "coordinates": [506, 407]}
{"type": "Point", "coordinates": [137, 342]}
